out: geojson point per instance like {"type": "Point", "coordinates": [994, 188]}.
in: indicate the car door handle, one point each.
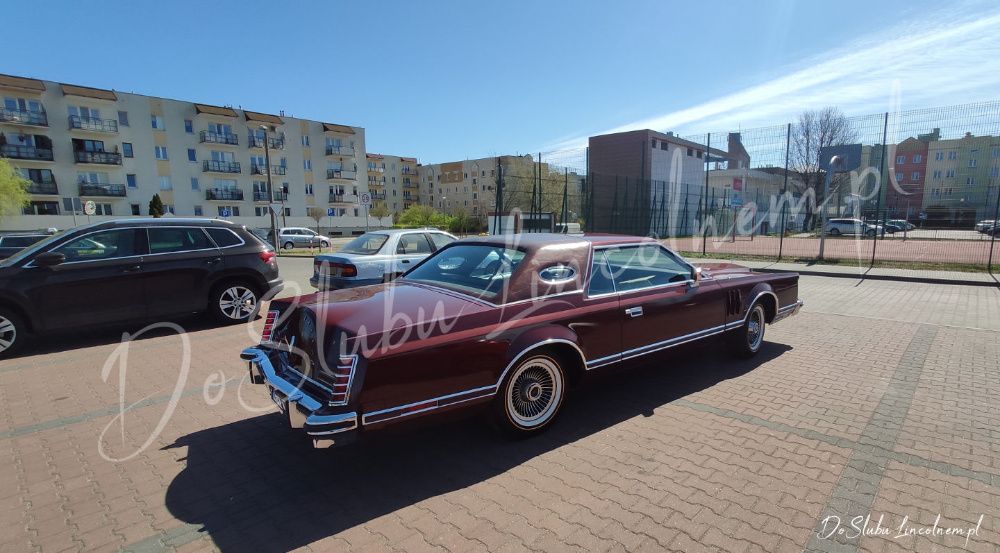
{"type": "Point", "coordinates": [132, 269]}
{"type": "Point", "coordinates": [406, 261]}
{"type": "Point", "coordinates": [213, 261]}
{"type": "Point", "coordinates": [634, 311]}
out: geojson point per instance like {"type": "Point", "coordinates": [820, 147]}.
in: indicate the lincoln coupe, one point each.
{"type": "Point", "coordinates": [503, 323]}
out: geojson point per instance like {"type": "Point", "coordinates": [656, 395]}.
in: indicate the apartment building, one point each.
{"type": "Point", "coordinates": [469, 186]}
{"type": "Point", "coordinates": [393, 182]}
{"type": "Point", "coordinates": [78, 144]}
{"type": "Point", "coordinates": [960, 187]}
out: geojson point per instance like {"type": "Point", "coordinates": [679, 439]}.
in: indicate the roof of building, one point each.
{"type": "Point", "coordinates": [22, 83]}
{"type": "Point", "coordinates": [333, 127]}
{"type": "Point", "coordinates": [263, 117]}
{"type": "Point", "coordinates": [215, 110]}
{"type": "Point", "coordinates": [88, 92]}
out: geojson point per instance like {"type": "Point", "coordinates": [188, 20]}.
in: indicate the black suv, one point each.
{"type": "Point", "coordinates": [133, 269]}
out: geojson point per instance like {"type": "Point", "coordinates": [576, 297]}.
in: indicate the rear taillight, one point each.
{"type": "Point", "coordinates": [267, 256]}
{"type": "Point", "coordinates": [265, 335]}
{"type": "Point", "coordinates": [335, 269]}
{"type": "Point", "coordinates": [343, 374]}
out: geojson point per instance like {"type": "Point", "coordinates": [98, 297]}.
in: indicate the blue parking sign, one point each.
{"type": "Point", "coordinates": [329, 212]}
{"type": "Point", "coordinates": [225, 213]}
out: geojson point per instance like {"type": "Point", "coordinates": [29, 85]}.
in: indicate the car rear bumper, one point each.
{"type": "Point", "coordinates": [301, 410]}
{"type": "Point", "coordinates": [788, 311]}
{"type": "Point", "coordinates": [337, 283]}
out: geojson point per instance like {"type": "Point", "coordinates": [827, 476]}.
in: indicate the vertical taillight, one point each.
{"type": "Point", "coordinates": [265, 336]}
{"type": "Point", "coordinates": [267, 256]}
{"type": "Point", "coordinates": [343, 374]}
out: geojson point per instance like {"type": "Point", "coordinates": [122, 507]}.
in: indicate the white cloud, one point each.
{"type": "Point", "coordinates": [940, 59]}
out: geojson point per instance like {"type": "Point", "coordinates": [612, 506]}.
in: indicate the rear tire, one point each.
{"type": "Point", "coordinates": [834, 232]}
{"type": "Point", "coordinates": [288, 245]}
{"type": "Point", "coordinates": [234, 302]}
{"type": "Point", "coordinates": [13, 332]}
{"type": "Point", "coordinates": [530, 396]}
{"type": "Point", "coordinates": [748, 338]}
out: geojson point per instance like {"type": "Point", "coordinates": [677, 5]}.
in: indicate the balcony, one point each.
{"type": "Point", "coordinates": [343, 198]}
{"type": "Point", "coordinates": [212, 166]}
{"type": "Point", "coordinates": [261, 196]}
{"type": "Point", "coordinates": [99, 158]}
{"type": "Point", "coordinates": [262, 170]}
{"type": "Point", "coordinates": [272, 143]}
{"type": "Point", "coordinates": [209, 137]}
{"type": "Point", "coordinates": [14, 151]}
{"type": "Point", "coordinates": [378, 196]}
{"type": "Point", "coordinates": [94, 125]}
{"type": "Point", "coordinates": [411, 185]}
{"type": "Point", "coordinates": [43, 187]}
{"type": "Point", "coordinates": [102, 190]}
{"type": "Point", "coordinates": [340, 174]}
{"type": "Point", "coordinates": [224, 194]}
{"type": "Point", "coordinates": [23, 117]}
{"type": "Point", "coordinates": [340, 151]}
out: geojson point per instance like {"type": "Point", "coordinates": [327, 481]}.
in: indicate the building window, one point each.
{"type": "Point", "coordinates": [288, 212]}
{"type": "Point", "coordinates": [192, 156]}
{"type": "Point", "coordinates": [188, 126]}
{"type": "Point", "coordinates": [135, 207]}
{"type": "Point", "coordinates": [915, 176]}
{"type": "Point", "coordinates": [900, 160]}
{"type": "Point", "coordinates": [194, 184]}
{"type": "Point", "coordinates": [972, 163]}
{"type": "Point", "coordinates": [130, 179]}
{"type": "Point", "coordinates": [996, 152]}
{"type": "Point", "coordinates": [690, 152]}
{"type": "Point", "coordinates": [309, 190]}
{"type": "Point", "coordinates": [229, 211]}
{"type": "Point", "coordinates": [937, 174]}
{"type": "Point", "coordinates": [123, 121]}
{"type": "Point", "coordinates": [952, 155]}
{"type": "Point", "coordinates": [198, 211]}
{"type": "Point", "coordinates": [160, 152]}
{"type": "Point", "coordinates": [917, 158]}
{"type": "Point", "coordinates": [994, 171]}
{"type": "Point", "coordinates": [970, 181]}
{"type": "Point", "coordinates": [355, 212]}
{"type": "Point", "coordinates": [260, 211]}
{"type": "Point", "coordinates": [899, 177]}
{"type": "Point", "coordinates": [307, 164]}
{"type": "Point", "coordinates": [939, 156]}
{"type": "Point", "coordinates": [127, 149]}
{"type": "Point", "coordinates": [654, 143]}
{"type": "Point", "coordinates": [165, 183]}
{"type": "Point", "coordinates": [950, 174]}
{"type": "Point", "coordinates": [305, 140]}
{"type": "Point", "coordinates": [157, 122]}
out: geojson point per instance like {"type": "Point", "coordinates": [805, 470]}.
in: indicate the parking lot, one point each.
{"type": "Point", "coordinates": [880, 398]}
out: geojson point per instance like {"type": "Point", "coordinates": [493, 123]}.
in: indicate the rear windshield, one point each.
{"type": "Point", "coordinates": [366, 244]}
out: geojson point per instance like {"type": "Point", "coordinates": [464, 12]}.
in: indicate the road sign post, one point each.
{"type": "Point", "coordinates": [366, 201]}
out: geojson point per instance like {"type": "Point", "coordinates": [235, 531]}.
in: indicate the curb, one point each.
{"type": "Point", "coordinates": [862, 276]}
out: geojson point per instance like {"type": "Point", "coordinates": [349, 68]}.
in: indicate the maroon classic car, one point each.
{"type": "Point", "coordinates": [506, 321]}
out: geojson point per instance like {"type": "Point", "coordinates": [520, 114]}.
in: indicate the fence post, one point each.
{"type": "Point", "coordinates": [784, 191]}
{"type": "Point", "coordinates": [704, 213]}
{"type": "Point", "coordinates": [993, 234]}
{"type": "Point", "coordinates": [881, 185]}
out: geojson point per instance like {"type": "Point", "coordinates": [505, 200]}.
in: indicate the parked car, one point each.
{"type": "Point", "coordinates": [837, 227]}
{"type": "Point", "coordinates": [376, 257]}
{"type": "Point", "coordinates": [985, 225]}
{"type": "Point", "coordinates": [901, 224]}
{"type": "Point", "coordinates": [499, 324]}
{"type": "Point", "coordinates": [13, 243]}
{"type": "Point", "coordinates": [301, 237]}
{"type": "Point", "coordinates": [133, 269]}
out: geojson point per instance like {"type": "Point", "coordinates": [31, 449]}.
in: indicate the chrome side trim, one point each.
{"type": "Point", "coordinates": [487, 391]}
{"type": "Point", "coordinates": [583, 358]}
{"type": "Point", "coordinates": [659, 346]}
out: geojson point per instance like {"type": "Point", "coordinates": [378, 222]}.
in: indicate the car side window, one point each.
{"type": "Point", "coordinates": [412, 244]}
{"type": "Point", "coordinates": [440, 240]}
{"type": "Point", "coordinates": [223, 237]}
{"type": "Point", "coordinates": [600, 276]}
{"type": "Point", "coordinates": [109, 244]}
{"type": "Point", "coordinates": [638, 267]}
{"type": "Point", "coordinates": [177, 239]}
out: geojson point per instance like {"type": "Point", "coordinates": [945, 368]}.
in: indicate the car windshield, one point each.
{"type": "Point", "coordinates": [366, 244]}
{"type": "Point", "coordinates": [478, 270]}
{"type": "Point", "coordinates": [25, 253]}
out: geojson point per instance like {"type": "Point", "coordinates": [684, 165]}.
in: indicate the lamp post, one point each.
{"type": "Point", "coordinates": [270, 193]}
{"type": "Point", "coordinates": [835, 161]}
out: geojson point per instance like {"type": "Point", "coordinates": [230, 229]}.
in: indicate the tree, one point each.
{"type": "Point", "coordinates": [417, 216]}
{"type": "Point", "coordinates": [317, 214]}
{"type": "Point", "coordinates": [815, 131]}
{"type": "Point", "coordinates": [379, 210]}
{"type": "Point", "coordinates": [156, 206]}
{"type": "Point", "coordinates": [13, 190]}
{"type": "Point", "coordinates": [463, 223]}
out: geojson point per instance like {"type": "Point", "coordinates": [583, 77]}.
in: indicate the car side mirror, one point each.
{"type": "Point", "coordinates": [695, 278]}
{"type": "Point", "coordinates": [49, 259]}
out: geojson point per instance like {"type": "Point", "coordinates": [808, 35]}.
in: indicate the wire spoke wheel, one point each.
{"type": "Point", "coordinates": [755, 328]}
{"type": "Point", "coordinates": [534, 393]}
{"type": "Point", "coordinates": [237, 302]}
{"type": "Point", "coordinates": [8, 333]}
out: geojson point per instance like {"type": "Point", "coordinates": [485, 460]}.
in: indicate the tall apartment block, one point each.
{"type": "Point", "coordinates": [78, 144]}
{"type": "Point", "coordinates": [393, 182]}
{"type": "Point", "coordinates": [468, 186]}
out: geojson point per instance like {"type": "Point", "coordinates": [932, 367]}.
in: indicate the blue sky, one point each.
{"type": "Point", "coordinates": [452, 80]}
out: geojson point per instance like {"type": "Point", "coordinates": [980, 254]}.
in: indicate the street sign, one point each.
{"type": "Point", "coordinates": [329, 212]}
{"type": "Point", "coordinates": [89, 207]}
{"type": "Point", "coordinates": [923, 216]}
{"type": "Point", "coordinates": [275, 207]}
{"type": "Point", "coordinates": [224, 212]}
{"type": "Point", "coordinates": [366, 199]}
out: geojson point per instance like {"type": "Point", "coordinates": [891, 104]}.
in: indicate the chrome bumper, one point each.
{"type": "Point", "coordinates": [788, 311]}
{"type": "Point", "coordinates": [299, 407]}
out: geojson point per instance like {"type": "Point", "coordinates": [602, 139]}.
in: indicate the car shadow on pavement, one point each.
{"type": "Point", "coordinates": [257, 485]}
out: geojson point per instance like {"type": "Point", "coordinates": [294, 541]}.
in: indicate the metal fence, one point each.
{"type": "Point", "coordinates": [910, 189]}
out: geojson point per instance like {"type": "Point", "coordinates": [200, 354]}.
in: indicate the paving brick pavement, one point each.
{"type": "Point", "coordinates": [880, 394]}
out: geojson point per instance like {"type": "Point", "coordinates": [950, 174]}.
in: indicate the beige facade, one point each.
{"type": "Point", "coordinates": [962, 175]}
{"type": "Point", "coordinates": [79, 144]}
{"type": "Point", "coordinates": [393, 182]}
{"type": "Point", "coordinates": [469, 186]}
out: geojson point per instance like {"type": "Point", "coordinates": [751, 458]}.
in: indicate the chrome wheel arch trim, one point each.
{"type": "Point", "coordinates": [536, 345]}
